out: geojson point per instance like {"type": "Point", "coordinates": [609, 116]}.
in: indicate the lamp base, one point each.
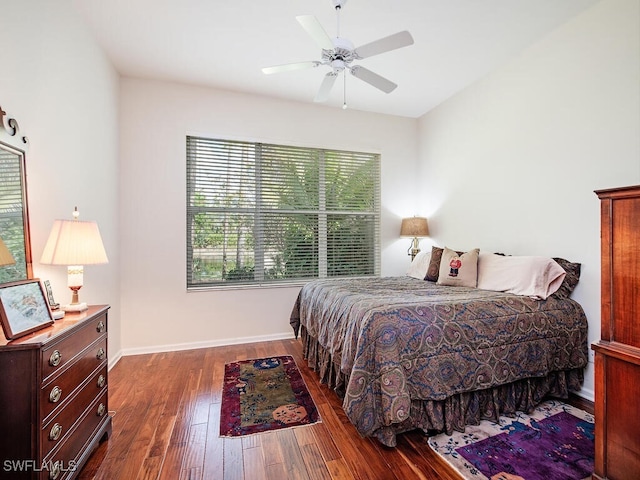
{"type": "Point", "coordinates": [75, 307]}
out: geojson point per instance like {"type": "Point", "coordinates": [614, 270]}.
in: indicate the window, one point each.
{"type": "Point", "coordinates": [264, 214]}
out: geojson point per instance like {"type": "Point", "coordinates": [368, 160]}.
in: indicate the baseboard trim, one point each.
{"type": "Point", "coordinates": [577, 400]}
{"type": "Point", "coordinates": [125, 352]}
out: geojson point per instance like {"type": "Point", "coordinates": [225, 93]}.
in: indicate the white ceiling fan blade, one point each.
{"type": "Point", "coordinates": [373, 79]}
{"type": "Point", "coordinates": [289, 67]}
{"type": "Point", "coordinates": [325, 87]}
{"type": "Point", "coordinates": [386, 44]}
{"type": "Point", "coordinates": [315, 31]}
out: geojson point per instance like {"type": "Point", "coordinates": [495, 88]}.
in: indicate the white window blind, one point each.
{"type": "Point", "coordinates": [260, 214]}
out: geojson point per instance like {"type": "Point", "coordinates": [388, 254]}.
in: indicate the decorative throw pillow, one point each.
{"type": "Point", "coordinates": [419, 265]}
{"type": "Point", "coordinates": [434, 264]}
{"type": "Point", "coordinates": [459, 270]}
{"type": "Point", "coordinates": [570, 280]}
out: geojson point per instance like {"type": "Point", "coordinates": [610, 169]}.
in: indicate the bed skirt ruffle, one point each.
{"type": "Point", "coordinates": [457, 411]}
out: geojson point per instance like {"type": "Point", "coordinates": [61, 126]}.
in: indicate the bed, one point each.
{"type": "Point", "coordinates": [405, 353]}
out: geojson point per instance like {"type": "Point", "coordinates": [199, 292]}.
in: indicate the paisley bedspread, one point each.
{"type": "Point", "coordinates": [400, 350]}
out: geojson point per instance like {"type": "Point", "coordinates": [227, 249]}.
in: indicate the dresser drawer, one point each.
{"type": "Point", "coordinates": [56, 393]}
{"type": "Point", "coordinates": [66, 454]}
{"type": "Point", "coordinates": [58, 428]}
{"type": "Point", "coordinates": [56, 356]}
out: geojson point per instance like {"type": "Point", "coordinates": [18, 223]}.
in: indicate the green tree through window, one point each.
{"type": "Point", "coordinates": [260, 214]}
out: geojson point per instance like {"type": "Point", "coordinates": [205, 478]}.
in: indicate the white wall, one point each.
{"type": "Point", "coordinates": [157, 311]}
{"type": "Point", "coordinates": [510, 164]}
{"type": "Point", "coordinates": [63, 92]}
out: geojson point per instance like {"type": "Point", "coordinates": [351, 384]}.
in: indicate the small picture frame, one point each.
{"type": "Point", "coordinates": [23, 308]}
{"type": "Point", "coordinates": [52, 302]}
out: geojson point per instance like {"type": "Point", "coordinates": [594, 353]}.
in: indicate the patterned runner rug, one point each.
{"type": "Point", "coordinates": [264, 394]}
{"type": "Point", "coordinates": [554, 442]}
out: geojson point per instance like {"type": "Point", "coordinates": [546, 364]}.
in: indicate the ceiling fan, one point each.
{"type": "Point", "coordinates": [339, 54]}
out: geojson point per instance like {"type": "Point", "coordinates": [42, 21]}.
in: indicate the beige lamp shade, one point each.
{"type": "Point", "coordinates": [414, 227]}
{"type": "Point", "coordinates": [5, 255]}
{"type": "Point", "coordinates": [74, 242]}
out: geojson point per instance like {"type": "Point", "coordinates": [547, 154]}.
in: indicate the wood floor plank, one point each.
{"type": "Point", "coordinates": [294, 463]}
{"type": "Point", "coordinates": [214, 449]}
{"type": "Point", "coordinates": [304, 435]}
{"type": "Point", "coordinates": [325, 442]}
{"type": "Point", "coordinates": [203, 390]}
{"type": "Point", "coordinates": [232, 459]}
{"type": "Point", "coordinates": [316, 467]}
{"type": "Point", "coordinates": [150, 469]}
{"type": "Point", "coordinates": [276, 471]}
{"type": "Point", "coordinates": [348, 445]}
{"type": "Point", "coordinates": [271, 450]}
{"type": "Point", "coordinates": [162, 435]}
{"type": "Point", "coordinates": [193, 458]}
{"type": "Point", "coordinates": [339, 470]}
{"type": "Point", "coordinates": [254, 463]}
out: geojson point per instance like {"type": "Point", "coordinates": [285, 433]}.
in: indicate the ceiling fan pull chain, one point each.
{"type": "Point", "coordinates": [344, 90]}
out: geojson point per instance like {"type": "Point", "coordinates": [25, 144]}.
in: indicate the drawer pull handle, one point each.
{"type": "Point", "coordinates": [101, 410]}
{"type": "Point", "coordinates": [100, 328]}
{"type": "Point", "coordinates": [55, 394]}
{"type": "Point", "coordinates": [100, 354]}
{"type": "Point", "coordinates": [101, 381]}
{"type": "Point", "coordinates": [56, 469]}
{"type": "Point", "coordinates": [55, 358]}
{"type": "Point", "coordinates": [55, 432]}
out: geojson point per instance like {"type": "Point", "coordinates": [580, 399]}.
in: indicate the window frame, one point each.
{"type": "Point", "coordinates": [322, 212]}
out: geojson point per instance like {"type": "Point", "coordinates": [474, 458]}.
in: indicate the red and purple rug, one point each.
{"type": "Point", "coordinates": [554, 442]}
{"type": "Point", "coordinates": [264, 394]}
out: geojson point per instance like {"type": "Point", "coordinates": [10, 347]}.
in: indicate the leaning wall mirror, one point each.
{"type": "Point", "coordinates": [15, 245]}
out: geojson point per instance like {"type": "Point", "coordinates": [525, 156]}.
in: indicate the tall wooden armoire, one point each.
{"type": "Point", "coordinates": [617, 353]}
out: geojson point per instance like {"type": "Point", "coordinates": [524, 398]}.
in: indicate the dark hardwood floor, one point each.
{"type": "Point", "coordinates": [166, 410]}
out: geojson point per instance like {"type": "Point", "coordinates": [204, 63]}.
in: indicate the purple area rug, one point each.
{"type": "Point", "coordinates": [554, 442]}
{"type": "Point", "coordinates": [264, 394]}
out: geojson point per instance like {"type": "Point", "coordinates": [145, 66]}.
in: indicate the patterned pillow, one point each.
{"type": "Point", "coordinates": [570, 280]}
{"type": "Point", "coordinates": [459, 270]}
{"type": "Point", "coordinates": [434, 264]}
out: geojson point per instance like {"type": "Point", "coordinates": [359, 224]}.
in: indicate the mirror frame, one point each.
{"type": "Point", "coordinates": [12, 141]}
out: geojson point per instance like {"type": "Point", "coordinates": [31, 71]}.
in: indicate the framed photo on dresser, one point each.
{"type": "Point", "coordinates": [23, 308]}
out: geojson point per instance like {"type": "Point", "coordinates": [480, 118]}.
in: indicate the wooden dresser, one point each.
{"type": "Point", "coordinates": [617, 354]}
{"type": "Point", "coordinates": [53, 397]}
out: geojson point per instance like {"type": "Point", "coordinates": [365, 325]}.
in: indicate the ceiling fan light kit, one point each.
{"type": "Point", "coordinates": [339, 53]}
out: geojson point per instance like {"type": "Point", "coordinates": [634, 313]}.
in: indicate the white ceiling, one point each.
{"type": "Point", "coordinates": [224, 44]}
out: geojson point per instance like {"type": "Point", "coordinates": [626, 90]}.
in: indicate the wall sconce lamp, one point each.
{"type": "Point", "coordinates": [74, 243]}
{"type": "Point", "coordinates": [414, 227]}
{"type": "Point", "coordinates": [5, 255]}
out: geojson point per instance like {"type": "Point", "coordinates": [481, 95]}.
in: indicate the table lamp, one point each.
{"type": "Point", "coordinates": [414, 227]}
{"type": "Point", "coordinates": [74, 243]}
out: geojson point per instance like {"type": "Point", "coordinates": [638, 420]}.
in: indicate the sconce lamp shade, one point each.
{"type": "Point", "coordinates": [5, 255]}
{"type": "Point", "coordinates": [414, 227]}
{"type": "Point", "coordinates": [74, 242]}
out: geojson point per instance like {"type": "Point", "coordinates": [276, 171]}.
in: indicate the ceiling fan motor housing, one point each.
{"type": "Point", "coordinates": [341, 55]}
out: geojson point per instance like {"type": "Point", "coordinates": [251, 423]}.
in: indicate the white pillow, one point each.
{"type": "Point", "coordinates": [522, 275]}
{"type": "Point", "coordinates": [419, 265]}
